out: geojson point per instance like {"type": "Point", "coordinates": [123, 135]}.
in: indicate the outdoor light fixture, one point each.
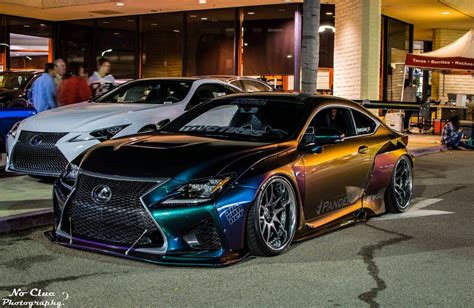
{"type": "Point", "coordinates": [120, 4]}
{"type": "Point", "coordinates": [325, 27]}
{"type": "Point", "coordinates": [105, 51]}
{"type": "Point", "coordinates": [202, 1]}
{"type": "Point", "coordinates": [329, 13]}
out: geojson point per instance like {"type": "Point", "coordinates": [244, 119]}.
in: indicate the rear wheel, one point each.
{"type": "Point", "coordinates": [399, 193]}
{"type": "Point", "coordinates": [271, 223]}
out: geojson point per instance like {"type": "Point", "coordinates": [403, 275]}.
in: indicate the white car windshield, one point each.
{"type": "Point", "coordinates": [148, 92]}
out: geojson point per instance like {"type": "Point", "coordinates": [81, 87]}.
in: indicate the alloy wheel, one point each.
{"type": "Point", "coordinates": [403, 184]}
{"type": "Point", "coordinates": [277, 214]}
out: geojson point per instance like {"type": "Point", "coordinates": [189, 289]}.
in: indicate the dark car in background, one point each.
{"type": "Point", "coordinates": [14, 87]}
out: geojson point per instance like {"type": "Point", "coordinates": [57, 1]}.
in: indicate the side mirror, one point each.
{"type": "Point", "coordinates": [162, 123]}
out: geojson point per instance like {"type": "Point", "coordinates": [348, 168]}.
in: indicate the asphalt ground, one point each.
{"type": "Point", "coordinates": [424, 257]}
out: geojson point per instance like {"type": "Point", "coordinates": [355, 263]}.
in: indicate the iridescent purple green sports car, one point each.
{"type": "Point", "coordinates": [244, 174]}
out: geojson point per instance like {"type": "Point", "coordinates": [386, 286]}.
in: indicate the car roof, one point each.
{"type": "Point", "coordinates": [291, 97]}
{"type": "Point", "coordinates": [229, 77]}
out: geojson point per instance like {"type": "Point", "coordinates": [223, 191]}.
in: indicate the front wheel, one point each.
{"type": "Point", "coordinates": [271, 223]}
{"type": "Point", "coordinates": [400, 191]}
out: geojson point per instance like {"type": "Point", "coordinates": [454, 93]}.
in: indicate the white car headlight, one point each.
{"type": "Point", "coordinates": [14, 129]}
{"type": "Point", "coordinates": [100, 134]}
{"type": "Point", "coordinates": [69, 176]}
{"type": "Point", "coordinates": [197, 192]}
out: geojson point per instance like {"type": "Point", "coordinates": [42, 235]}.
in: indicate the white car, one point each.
{"type": "Point", "coordinates": [44, 144]}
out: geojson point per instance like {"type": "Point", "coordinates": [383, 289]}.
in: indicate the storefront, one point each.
{"type": "Point", "coordinates": [252, 41]}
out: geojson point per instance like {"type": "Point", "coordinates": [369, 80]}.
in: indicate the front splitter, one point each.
{"type": "Point", "coordinates": [176, 259]}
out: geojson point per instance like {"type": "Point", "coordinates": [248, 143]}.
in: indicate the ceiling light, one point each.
{"type": "Point", "coordinates": [105, 51]}
{"type": "Point", "coordinates": [329, 13]}
{"type": "Point", "coordinates": [193, 16]}
{"type": "Point", "coordinates": [325, 27]}
{"type": "Point", "coordinates": [176, 30]}
{"type": "Point", "coordinates": [29, 58]}
{"type": "Point", "coordinates": [281, 10]}
{"type": "Point", "coordinates": [120, 4]}
{"type": "Point", "coordinates": [42, 25]}
{"type": "Point", "coordinates": [251, 13]}
{"type": "Point", "coordinates": [289, 56]}
{"type": "Point", "coordinates": [130, 20]}
{"type": "Point", "coordinates": [116, 33]}
{"type": "Point", "coordinates": [26, 26]}
{"type": "Point", "coordinates": [202, 1]}
{"type": "Point", "coordinates": [106, 22]}
{"type": "Point", "coordinates": [445, 13]}
{"type": "Point", "coordinates": [154, 25]}
{"type": "Point", "coordinates": [203, 18]}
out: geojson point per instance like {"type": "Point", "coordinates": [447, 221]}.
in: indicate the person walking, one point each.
{"type": "Point", "coordinates": [102, 81]}
{"type": "Point", "coordinates": [43, 90]}
{"type": "Point", "coordinates": [74, 88]}
{"type": "Point", "coordinates": [60, 68]}
{"type": "Point", "coordinates": [452, 134]}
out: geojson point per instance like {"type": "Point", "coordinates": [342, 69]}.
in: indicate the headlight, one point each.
{"type": "Point", "coordinates": [14, 129]}
{"type": "Point", "coordinates": [100, 134]}
{"type": "Point", "coordinates": [69, 176]}
{"type": "Point", "coordinates": [197, 192]}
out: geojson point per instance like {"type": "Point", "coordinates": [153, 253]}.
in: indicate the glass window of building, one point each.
{"type": "Point", "coordinates": [75, 43]}
{"type": "Point", "coordinates": [30, 43]}
{"type": "Point", "coordinates": [210, 42]}
{"type": "Point", "coordinates": [117, 41]}
{"type": "Point", "coordinates": [398, 42]}
{"type": "Point", "coordinates": [268, 40]}
{"type": "Point", "coordinates": [162, 47]}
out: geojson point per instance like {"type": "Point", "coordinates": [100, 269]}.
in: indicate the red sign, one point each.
{"type": "Point", "coordinates": [456, 63]}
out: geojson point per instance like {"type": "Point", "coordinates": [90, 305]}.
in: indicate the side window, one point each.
{"type": "Point", "coordinates": [336, 118]}
{"type": "Point", "coordinates": [205, 93]}
{"type": "Point", "coordinates": [364, 124]}
{"type": "Point", "coordinates": [254, 86]}
{"type": "Point", "coordinates": [239, 84]}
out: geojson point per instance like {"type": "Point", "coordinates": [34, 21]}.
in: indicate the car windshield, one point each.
{"type": "Point", "coordinates": [148, 92]}
{"type": "Point", "coordinates": [242, 118]}
{"type": "Point", "coordinates": [13, 80]}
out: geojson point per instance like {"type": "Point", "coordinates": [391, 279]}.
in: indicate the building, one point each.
{"type": "Point", "coordinates": [363, 43]}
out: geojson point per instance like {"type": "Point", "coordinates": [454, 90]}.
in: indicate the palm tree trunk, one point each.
{"type": "Point", "coordinates": [310, 45]}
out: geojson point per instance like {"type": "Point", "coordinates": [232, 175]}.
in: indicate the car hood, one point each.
{"type": "Point", "coordinates": [82, 117]}
{"type": "Point", "coordinates": [182, 157]}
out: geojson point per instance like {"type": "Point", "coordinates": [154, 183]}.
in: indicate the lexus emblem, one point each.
{"type": "Point", "coordinates": [101, 194]}
{"type": "Point", "coordinates": [36, 140]}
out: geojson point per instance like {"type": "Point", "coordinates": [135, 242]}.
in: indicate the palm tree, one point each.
{"type": "Point", "coordinates": [310, 45]}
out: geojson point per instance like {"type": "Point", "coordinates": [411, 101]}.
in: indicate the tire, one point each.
{"type": "Point", "coordinates": [399, 193]}
{"type": "Point", "coordinates": [275, 205]}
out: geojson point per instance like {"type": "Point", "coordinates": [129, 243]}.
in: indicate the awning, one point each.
{"type": "Point", "coordinates": [457, 56]}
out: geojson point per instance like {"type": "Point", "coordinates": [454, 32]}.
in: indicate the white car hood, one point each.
{"type": "Point", "coordinates": [83, 117]}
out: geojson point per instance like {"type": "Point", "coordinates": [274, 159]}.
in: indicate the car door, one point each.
{"type": "Point", "coordinates": [336, 175]}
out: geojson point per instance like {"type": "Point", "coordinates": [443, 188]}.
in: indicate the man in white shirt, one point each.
{"type": "Point", "coordinates": [102, 81]}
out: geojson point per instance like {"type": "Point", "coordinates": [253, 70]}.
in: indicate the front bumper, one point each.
{"type": "Point", "coordinates": [204, 235]}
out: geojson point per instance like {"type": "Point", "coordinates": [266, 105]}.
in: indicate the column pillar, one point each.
{"type": "Point", "coordinates": [357, 49]}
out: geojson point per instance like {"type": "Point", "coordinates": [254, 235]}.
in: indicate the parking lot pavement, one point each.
{"type": "Point", "coordinates": [420, 258]}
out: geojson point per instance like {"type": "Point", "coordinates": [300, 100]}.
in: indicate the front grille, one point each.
{"type": "Point", "coordinates": [42, 158]}
{"type": "Point", "coordinates": [121, 220]}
